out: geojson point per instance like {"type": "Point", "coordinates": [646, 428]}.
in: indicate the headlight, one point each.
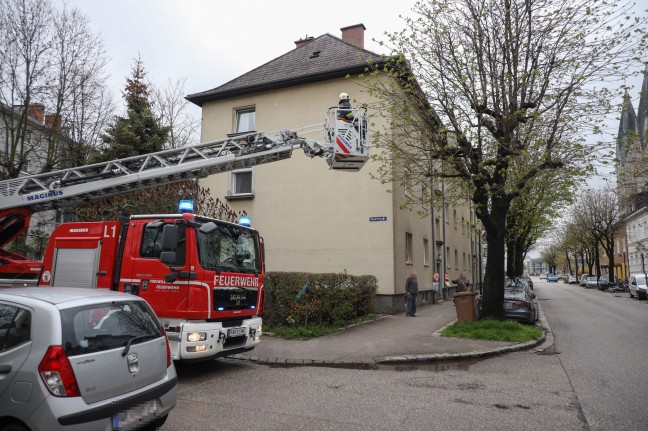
{"type": "Point", "coordinates": [196, 336]}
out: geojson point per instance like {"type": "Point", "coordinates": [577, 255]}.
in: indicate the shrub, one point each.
{"type": "Point", "coordinates": [305, 299]}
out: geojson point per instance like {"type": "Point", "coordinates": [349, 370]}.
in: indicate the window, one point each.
{"type": "Point", "coordinates": [409, 254]}
{"type": "Point", "coordinates": [15, 326]}
{"type": "Point", "coordinates": [100, 327]}
{"type": "Point", "coordinates": [229, 248]}
{"type": "Point", "coordinates": [152, 243]}
{"type": "Point", "coordinates": [426, 259]}
{"type": "Point", "coordinates": [241, 182]}
{"type": "Point", "coordinates": [245, 120]}
{"type": "Point", "coordinates": [408, 182]}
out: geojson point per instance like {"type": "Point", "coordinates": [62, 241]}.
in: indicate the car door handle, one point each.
{"type": "Point", "coordinates": [5, 369]}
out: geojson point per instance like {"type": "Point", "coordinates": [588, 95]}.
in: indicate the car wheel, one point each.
{"type": "Point", "coordinates": [631, 295]}
{"type": "Point", "coordinates": [641, 295]}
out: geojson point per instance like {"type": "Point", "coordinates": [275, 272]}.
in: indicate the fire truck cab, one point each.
{"type": "Point", "coordinates": [204, 277]}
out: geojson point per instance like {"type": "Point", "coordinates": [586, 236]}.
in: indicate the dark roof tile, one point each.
{"type": "Point", "coordinates": [325, 57]}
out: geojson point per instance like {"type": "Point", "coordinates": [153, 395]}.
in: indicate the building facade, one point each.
{"type": "Point", "coordinates": [318, 220]}
{"type": "Point", "coordinates": [632, 183]}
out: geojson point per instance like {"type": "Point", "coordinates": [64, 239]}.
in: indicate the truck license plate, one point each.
{"type": "Point", "coordinates": [235, 332]}
{"type": "Point", "coordinates": [136, 416]}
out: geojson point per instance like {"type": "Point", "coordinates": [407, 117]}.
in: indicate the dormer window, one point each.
{"type": "Point", "coordinates": [315, 54]}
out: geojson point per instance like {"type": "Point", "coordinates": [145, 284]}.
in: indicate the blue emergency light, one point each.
{"type": "Point", "coordinates": [245, 221]}
{"type": "Point", "coordinates": [186, 206]}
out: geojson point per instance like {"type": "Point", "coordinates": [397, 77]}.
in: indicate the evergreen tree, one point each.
{"type": "Point", "coordinates": [139, 132]}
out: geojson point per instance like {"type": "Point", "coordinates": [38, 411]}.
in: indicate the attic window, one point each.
{"type": "Point", "coordinates": [315, 54]}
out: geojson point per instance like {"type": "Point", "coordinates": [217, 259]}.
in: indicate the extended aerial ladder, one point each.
{"type": "Point", "coordinates": [345, 147]}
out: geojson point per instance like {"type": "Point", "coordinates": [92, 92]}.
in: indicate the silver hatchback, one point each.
{"type": "Point", "coordinates": [82, 359]}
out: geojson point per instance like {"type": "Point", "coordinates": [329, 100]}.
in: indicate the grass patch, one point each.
{"type": "Point", "coordinates": [311, 331]}
{"type": "Point", "coordinates": [494, 330]}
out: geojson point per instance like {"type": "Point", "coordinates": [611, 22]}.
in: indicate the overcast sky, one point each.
{"type": "Point", "coordinates": [209, 42]}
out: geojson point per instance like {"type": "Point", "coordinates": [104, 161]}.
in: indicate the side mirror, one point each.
{"type": "Point", "coordinates": [168, 257]}
{"type": "Point", "coordinates": [170, 234]}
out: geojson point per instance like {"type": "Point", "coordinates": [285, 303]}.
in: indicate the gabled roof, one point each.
{"type": "Point", "coordinates": [325, 57]}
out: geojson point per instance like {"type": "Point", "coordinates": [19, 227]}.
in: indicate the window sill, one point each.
{"type": "Point", "coordinates": [241, 196]}
{"type": "Point", "coordinates": [408, 263]}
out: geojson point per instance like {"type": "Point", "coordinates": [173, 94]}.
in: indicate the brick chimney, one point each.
{"type": "Point", "coordinates": [354, 34]}
{"type": "Point", "coordinates": [301, 42]}
{"type": "Point", "coordinates": [36, 112]}
{"type": "Point", "coordinates": [53, 121]}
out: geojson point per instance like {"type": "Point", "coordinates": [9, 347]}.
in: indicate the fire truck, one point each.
{"type": "Point", "coordinates": [203, 277]}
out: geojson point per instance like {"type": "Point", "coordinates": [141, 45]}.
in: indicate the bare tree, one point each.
{"type": "Point", "coordinates": [25, 41]}
{"type": "Point", "coordinates": [491, 93]}
{"type": "Point", "coordinates": [170, 107]}
{"type": "Point", "coordinates": [80, 97]}
{"type": "Point", "coordinates": [599, 214]}
{"type": "Point", "coordinates": [51, 60]}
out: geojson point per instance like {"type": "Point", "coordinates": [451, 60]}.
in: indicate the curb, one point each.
{"type": "Point", "coordinates": [535, 346]}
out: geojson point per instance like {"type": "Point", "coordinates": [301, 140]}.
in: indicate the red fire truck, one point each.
{"type": "Point", "coordinates": [203, 277]}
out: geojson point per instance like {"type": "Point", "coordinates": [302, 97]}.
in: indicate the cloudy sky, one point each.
{"type": "Point", "coordinates": [209, 42]}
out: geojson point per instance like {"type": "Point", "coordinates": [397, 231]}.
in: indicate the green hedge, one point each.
{"type": "Point", "coordinates": [303, 299]}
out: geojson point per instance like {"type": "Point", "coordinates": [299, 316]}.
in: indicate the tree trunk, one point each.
{"type": "Point", "coordinates": [493, 299]}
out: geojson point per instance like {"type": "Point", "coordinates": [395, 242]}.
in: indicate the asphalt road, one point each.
{"type": "Point", "coordinates": [602, 342]}
{"type": "Point", "coordinates": [592, 379]}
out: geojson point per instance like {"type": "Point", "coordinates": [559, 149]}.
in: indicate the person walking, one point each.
{"type": "Point", "coordinates": [411, 292]}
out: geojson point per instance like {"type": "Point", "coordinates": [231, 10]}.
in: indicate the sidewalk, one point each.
{"type": "Point", "coordinates": [392, 339]}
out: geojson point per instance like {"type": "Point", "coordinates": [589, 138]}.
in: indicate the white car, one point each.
{"type": "Point", "coordinates": [82, 359]}
{"type": "Point", "coordinates": [592, 282]}
{"type": "Point", "coordinates": [637, 286]}
{"type": "Point", "coordinates": [572, 279]}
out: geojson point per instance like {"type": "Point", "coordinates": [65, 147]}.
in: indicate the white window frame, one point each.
{"type": "Point", "coordinates": [233, 183]}
{"type": "Point", "coordinates": [238, 113]}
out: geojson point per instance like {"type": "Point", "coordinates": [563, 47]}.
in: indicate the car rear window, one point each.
{"type": "Point", "coordinates": [100, 327]}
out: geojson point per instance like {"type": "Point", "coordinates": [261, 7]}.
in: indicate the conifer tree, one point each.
{"type": "Point", "coordinates": [139, 132]}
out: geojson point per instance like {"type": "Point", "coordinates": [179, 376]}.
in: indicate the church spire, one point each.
{"type": "Point", "coordinates": [627, 128]}
{"type": "Point", "coordinates": [642, 111]}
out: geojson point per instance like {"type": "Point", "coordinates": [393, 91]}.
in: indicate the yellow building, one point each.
{"type": "Point", "coordinates": [314, 219]}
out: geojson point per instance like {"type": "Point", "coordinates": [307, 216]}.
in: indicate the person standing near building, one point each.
{"type": "Point", "coordinates": [411, 293]}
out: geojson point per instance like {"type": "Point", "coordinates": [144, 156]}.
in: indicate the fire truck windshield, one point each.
{"type": "Point", "coordinates": [229, 248]}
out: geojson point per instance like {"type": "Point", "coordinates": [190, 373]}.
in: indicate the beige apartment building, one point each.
{"type": "Point", "coordinates": [318, 220]}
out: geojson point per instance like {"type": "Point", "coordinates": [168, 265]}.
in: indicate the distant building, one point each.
{"type": "Point", "coordinates": [26, 136]}
{"type": "Point", "coordinates": [314, 219]}
{"type": "Point", "coordinates": [632, 183]}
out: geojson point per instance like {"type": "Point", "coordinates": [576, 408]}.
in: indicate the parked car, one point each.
{"type": "Point", "coordinates": [583, 280]}
{"type": "Point", "coordinates": [552, 278]}
{"type": "Point", "coordinates": [74, 358]}
{"type": "Point", "coordinates": [572, 279]}
{"type": "Point", "coordinates": [528, 279]}
{"type": "Point", "coordinates": [520, 303]}
{"type": "Point", "coordinates": [637, 286]}
{"type": "Point", "coordinates": [592, 282]}
{"type": "Point", "coordinates": [607, 281]}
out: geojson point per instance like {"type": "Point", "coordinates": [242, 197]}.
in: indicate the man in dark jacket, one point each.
{"type": "Point", "coordinates": [411, 292]}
